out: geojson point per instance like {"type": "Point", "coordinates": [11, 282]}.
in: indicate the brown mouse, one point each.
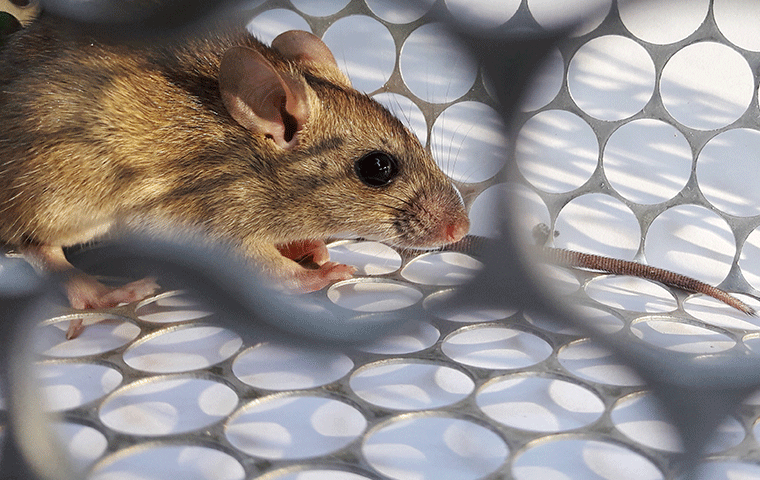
{"type": "Point", "coordinates": [269, 149]}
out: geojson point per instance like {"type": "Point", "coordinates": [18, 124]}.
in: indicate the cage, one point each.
{"type": "Point", "coordinates": [633, 137]}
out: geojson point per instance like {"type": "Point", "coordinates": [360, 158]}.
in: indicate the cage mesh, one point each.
{"type": "Point", "coordinates": [621, 149]}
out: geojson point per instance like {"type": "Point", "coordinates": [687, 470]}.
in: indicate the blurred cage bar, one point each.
{"type": "Point", "coordinates": [638, 138]}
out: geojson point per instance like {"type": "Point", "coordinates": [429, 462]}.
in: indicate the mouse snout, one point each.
{"type": "Point", "coordinates": [456, 230]}
{"type": "Point", "coordinates": [431, 219]}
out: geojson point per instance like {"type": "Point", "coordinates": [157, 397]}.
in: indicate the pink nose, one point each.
{"type": "Point", "coordinates": [457, 230]}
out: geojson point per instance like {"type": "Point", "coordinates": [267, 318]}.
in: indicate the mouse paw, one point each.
{"type": "Point", "coordinates": [130, 292]}
{"type": "Point", "coordinates": [327, 273]}
{"type": "Point", "coordinates": [85, 292]}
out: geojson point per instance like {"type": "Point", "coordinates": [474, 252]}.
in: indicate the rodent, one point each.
{"type": "Point", "coordinates": [269, 149]}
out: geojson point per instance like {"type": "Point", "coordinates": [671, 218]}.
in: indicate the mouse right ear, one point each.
{"type": "Point", "coordinates": [302, 46]}
{"type": "Point", "coordinates": [261, 99]}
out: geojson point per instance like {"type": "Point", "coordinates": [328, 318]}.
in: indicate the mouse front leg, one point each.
{"type": "Point", "coordinates": [301, 250]}
{"type": "Point", "coordinates": [84, 291]}
{"type": "Point", "coordinates": [280, 264]}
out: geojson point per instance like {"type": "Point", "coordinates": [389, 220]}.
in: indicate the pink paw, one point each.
{"type": "Point", "coordinates": [131, 292]}
{"type": "Point", "coordinates": [85, 292]}
{"type": "Point", "coordinates": [327, 273]}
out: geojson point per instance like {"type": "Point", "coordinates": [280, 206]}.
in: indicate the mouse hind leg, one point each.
{"type": "Point", "coordinates": [85, 291]}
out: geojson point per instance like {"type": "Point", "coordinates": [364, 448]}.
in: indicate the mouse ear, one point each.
{"type": "Point", "coordinates": [261, 99]}
{"type": "Point", "coordinates": [301, 46]}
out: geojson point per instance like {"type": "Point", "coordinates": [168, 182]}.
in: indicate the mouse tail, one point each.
{"type": "Point", "coordinates": [617, 266]}
{"type": "Point", "coordinates": [474, 244]}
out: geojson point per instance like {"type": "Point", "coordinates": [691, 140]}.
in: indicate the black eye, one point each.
{"type": "Point", "coordinates": [376, 169]}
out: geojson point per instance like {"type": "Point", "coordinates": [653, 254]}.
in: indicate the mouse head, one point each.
{"type": "Point", "coordinates": [346, 164]}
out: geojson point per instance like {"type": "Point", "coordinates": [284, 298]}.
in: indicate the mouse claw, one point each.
{"type": "Point", "coordinates": [337, 271]}
{"type": "Point", "coordinates": [76, 328]}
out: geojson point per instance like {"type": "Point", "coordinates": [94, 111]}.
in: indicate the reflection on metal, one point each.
{"type": "Point", "coordinates": [490, 377]}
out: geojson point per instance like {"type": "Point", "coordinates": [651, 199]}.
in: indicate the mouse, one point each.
{"type": "Point", "coordinates": [266, 148]}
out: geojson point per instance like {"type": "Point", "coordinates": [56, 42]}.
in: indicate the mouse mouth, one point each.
{"type": "Point", "coordinates": [434, 235]}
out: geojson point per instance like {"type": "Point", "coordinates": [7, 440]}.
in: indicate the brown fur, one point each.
{"type": "Point", "coordinates": [94, 137]}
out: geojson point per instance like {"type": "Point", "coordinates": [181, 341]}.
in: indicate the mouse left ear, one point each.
{"type": "Point", "coordinates": [305, 47]}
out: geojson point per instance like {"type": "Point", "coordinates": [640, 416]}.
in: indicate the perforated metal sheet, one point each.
{"type": "Point", "coordinates": [637, 141]}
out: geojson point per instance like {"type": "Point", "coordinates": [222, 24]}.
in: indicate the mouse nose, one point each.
{"type": "Point", "coordinates": [456, 230]}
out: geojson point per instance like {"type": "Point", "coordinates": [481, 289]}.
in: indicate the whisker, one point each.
{"type": "Point", "coordinates": [406, 116]}
{"type": "Point", "coordinates": [409, 203]}
{"type": "Point", "coordinates": [391, 207]}
{"type": "Point", "coordinates": [404, 201]}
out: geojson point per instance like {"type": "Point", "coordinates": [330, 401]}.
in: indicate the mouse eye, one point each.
{"type": "Point", "coordinates": [376, 169]}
